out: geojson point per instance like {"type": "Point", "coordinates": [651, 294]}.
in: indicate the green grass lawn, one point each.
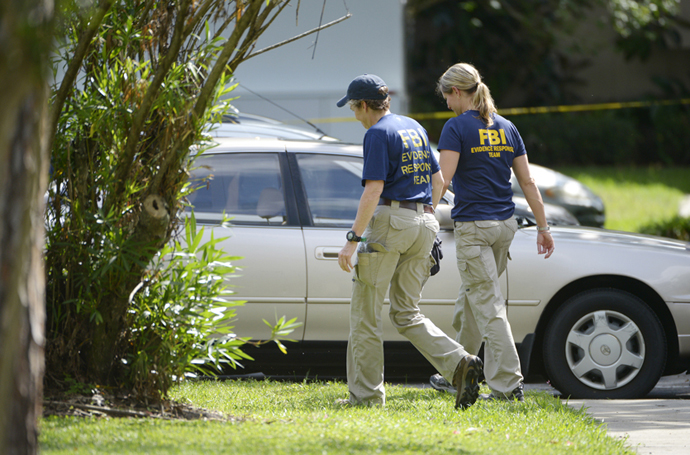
{"type": "Point", "coordinates": [635, 197]}
{"type": "Point", "coordinates": [284, 418]}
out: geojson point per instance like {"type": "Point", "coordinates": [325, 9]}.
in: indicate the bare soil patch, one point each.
{"type": "Point", "coordinates": [101, 404]}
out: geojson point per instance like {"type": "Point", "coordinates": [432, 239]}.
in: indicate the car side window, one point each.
{"type": "Point", "coordinates": [333, 184]}
{"type": "Point", "coordinates": [246, 186]}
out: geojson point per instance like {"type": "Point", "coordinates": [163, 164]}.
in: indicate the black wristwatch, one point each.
{"type": "Point", "coordinates": [352, 237]}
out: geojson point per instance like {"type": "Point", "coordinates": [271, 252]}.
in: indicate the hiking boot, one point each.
{"type": "Point", "coordinates": [466, 380]}
{"type": "Point", "coordinates": [516, 395]}
{"type": "Point", "coordinates": [439, 383]}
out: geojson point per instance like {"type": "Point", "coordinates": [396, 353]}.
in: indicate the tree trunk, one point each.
{"type": "Point", "coordinates": [105, 350]}
{"type": "Point", "coordinates": [24, 43]}
{"type": "Point", "coordinates": [21, 280]}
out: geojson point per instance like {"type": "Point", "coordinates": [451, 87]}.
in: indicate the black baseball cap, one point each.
{"type": "Point", "coordinates": [364, 87]}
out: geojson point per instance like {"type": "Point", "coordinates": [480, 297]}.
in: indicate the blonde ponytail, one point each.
{"type": "Point", "coordinates": [485, 104]}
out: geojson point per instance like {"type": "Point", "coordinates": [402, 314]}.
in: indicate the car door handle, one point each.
{"type": "Point", "coordinates": [327, 252]}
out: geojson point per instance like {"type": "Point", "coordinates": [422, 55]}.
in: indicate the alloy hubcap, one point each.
{"type": "Point", "coordinates": [605, 350]}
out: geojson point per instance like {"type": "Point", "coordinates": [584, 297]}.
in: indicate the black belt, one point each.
{"type": "Point", "coordinates": [412, 205]}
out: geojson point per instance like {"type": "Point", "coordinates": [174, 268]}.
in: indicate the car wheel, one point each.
{"type": "Point", "coordinates": [604, 343]}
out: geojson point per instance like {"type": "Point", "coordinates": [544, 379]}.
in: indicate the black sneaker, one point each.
{"type": "Point", "coordinates": [466, 380]}
{"type": "Point", "coordinates": [439, 383]}
{"type": "Point", "coordinates": [517, 394]}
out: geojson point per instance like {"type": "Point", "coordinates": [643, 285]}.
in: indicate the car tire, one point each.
{"type": "Point", "coordinates": [604, 343]}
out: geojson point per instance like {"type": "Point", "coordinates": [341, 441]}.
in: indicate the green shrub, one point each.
{"type": "Point", "coordinates": [675, 228]}
{"type": "Point", "coordinates": [182, 315]}
{"type": "Point", "coordinates": [671, 134]}
{"type": "Point", "coordinates": [139, 83]}
{"type": "Point", "coordinates": [176, 310]}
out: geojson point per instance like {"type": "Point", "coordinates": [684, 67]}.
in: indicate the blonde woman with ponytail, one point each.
{"type": "Point", "coordinates": [478, 148]}
{"type": "Point", "coordinates": [464, 78]}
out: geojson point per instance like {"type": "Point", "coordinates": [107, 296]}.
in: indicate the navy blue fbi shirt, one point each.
{"type": "Point", "coordinates": [481, 182]}
{"type": "Point", "coordinates": [396, 150]}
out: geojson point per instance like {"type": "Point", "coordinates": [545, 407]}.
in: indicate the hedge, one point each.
{"type": "Point", "coordinates": [640, 136]}
{"type": "Point", "coordinates": [675, 228]}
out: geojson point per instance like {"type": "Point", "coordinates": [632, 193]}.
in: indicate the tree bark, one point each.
{"type": "Point", "coordinates": [24, 43]}
{"type": "Point", "coordinates": [22, 311]}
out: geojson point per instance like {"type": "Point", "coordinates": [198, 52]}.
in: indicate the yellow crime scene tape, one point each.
{"type": "Point", "coordinates": [528, 110]}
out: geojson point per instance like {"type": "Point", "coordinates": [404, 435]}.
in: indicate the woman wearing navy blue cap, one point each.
{"type": "Point", "coordinates": [393, 233]}
{"type": "Point", "coordinates": [478, 147]}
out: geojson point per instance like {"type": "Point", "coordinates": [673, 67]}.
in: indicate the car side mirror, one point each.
{"type": "Point", "coordinates": [443, 216]}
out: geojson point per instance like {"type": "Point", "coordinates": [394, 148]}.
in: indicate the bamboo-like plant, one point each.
{"type": "Point", "coordinates": [142, 79]}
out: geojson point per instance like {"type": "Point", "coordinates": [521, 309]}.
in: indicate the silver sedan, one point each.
{"type": "Point", "coordinates": [605, 317]}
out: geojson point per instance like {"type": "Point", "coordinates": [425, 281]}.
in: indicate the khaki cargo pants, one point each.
{"type": "Point", "coordinates": [480, 311]}
{"type": "Point", "coordinates": [396, 254]}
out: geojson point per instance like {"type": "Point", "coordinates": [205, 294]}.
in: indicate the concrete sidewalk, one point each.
{"type": "Point", "coordinates": [658, 424]}
{"type": "Point", "coordinates": [649, 426]}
